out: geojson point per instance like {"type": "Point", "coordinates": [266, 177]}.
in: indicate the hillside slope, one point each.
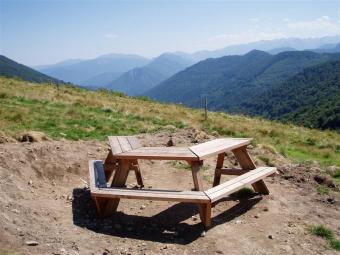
{"type": "Point", "coordinates": [11, 69]}
{"type": "Point", "coordinates": [74, 113]}
{"type": "Point", "coordinates": [230, 81]}
{"type": "Point", "coordinates": [139, 80]}
{"type": "Point", "coordinates": [311, 98]}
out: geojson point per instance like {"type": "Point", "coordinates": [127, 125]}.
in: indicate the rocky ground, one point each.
{"type": "Point", "coordinates": [45, 206]}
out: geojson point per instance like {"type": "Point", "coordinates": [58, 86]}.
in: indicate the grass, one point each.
{"type": "Point", "coordinates": [322, 190]}
{"type": "Point", "coordinates": [327, 234]}
{"type": "Point", "coordinates": [243, 193]}
{"type": "Point", "coordinates": [74, 113]}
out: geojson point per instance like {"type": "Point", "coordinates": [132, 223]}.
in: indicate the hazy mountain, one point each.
{"type": "Point", "coordinates": [230, 81]}
{"type": "Point", "coordinates": [59, 64]}
{"type": "Point", "coordinates": [101, 80]}
{"type": "Point", "coordinates": [11, 69]}
{"type": "Point", "coordinates": [267, 45]}
{"type": "Point", "coordinates": [310, 98]}
{"type": "Point", "coordinates": [139, 80]}
{"type": "Point", "coordinates": [82, 71]}
{"type": "Point", "coordinates": [279, 50]}
{"type": "Point", "coordinates": [329, 48]}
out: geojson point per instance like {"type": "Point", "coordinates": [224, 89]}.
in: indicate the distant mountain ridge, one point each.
{"type": "Point", "coordinates": [11, 69]}
{"type": "Point", "coordinates": [82, 71]}
{"type": "Point", "coordinates": [141, 79]}
{"type": "Point", "coordinates": [229, 81]}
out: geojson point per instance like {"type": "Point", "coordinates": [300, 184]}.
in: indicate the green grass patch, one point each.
{"type": "Point", "coordinates": [179, 164]}
{"type": "Point", "coordinates": [322, 190]}
{"type": "Point", "coordinates": [327, 234]}
{"type": "Point", "coordinates": [243, 193]}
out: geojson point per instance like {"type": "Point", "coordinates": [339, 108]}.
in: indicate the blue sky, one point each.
{"type": "Point", "coordinates": [48, 31]}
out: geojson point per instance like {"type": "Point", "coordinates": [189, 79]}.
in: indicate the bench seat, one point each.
{"type": "Point", "coordinates": [239, 182]}
{"type": "Point", "coordinates": [99, 188]}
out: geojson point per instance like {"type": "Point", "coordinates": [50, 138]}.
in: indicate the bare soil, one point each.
{"type": "Point", "coordinates": [44, 198]}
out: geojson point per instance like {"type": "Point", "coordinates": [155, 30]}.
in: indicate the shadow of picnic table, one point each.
{"type": "Point", "coordinates": [164, 227]}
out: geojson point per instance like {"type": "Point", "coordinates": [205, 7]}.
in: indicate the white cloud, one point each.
{"type": "Point", "coordinates": [110, 36]}
{"type": "Point", "coordinates": [319, 27]}
{"type": "Point", "coordinates": [286, 20]}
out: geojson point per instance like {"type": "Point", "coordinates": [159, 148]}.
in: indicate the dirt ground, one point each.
{"type": "Point", "coordinates": [44, 200]}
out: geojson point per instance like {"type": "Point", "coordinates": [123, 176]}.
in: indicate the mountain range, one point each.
{"type": "Point", "coordinates": [141, 79]}
{"type": "Point", "coordinates": [132, 74]}
{"type": "Point", "coordinates": [80, 72]}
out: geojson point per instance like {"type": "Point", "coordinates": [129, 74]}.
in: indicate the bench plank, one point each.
{"type": "Point", "coordinates": [161, 195]}
{"type": "Point", "coordinates": [239, 182]}
{"type": "Point", "coordinates": [217, 146]}
{"type": "Point", "coordinates": [157, 153]}
{"type": "Point", "coordinates": [114, 144]}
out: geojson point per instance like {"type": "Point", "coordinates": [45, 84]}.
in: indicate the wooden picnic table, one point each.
{"type": "Point", "coordinates": [125, 151]}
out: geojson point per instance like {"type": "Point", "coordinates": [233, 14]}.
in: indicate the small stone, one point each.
{"type": "Point", "coordinates": [164, 247]}
{"type": "Point", "coordinates": [256, 216]}
{"type": "Point", "coordinates": [30, 182]}
{"type": "Point", "coordinates": [203, 234]}
{"type": "Point", "coordinates": [170, 143]}
{"type": "Point", "coordinates": [194, 218]}
{"type": "Point", "coordinates": [265, 209]}
{"type": "Point", "coordinates": [331, 200]}
{"type": "Point", "coordinates": [15, 211]}
{"type": "Point", "coordinates": [238, 222]}
{"type": "Point", "coordinates": [270, 237]}
{"type": "Point", "coordinates": [219, 252]}
{"type": "Point", "coordinates": [142, 207]}
{"type": "Point", "coordinates": [31, 243]}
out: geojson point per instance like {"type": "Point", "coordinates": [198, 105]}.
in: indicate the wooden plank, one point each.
{"type": "Point", "coordinates": [119, 180]}
{"type": "Point", "coordinates": [109, 165]}
{"type": "Point", "coordinates": [92, 175]}
{"type": "Point", "coordinates": [219, 165]}
{"type": "Point", "coordinates": [114, 144]}
{"type": "Point", "coordinates": [124, 143]}
{"type": "Point", "coordinates": [217, 146]}
{"type": "Point", "coordinates": [239, 182]}
{"type": "Point", "coordinates": [134, 142]}
{"type": "Point", "coordinates": [160, 195]}
{"type": "Point", "coordinates": [246, 163]}
{"type": "Point", "coordinates": [196, 175]}
{"type": "Point", "coordinates": [159, 153]}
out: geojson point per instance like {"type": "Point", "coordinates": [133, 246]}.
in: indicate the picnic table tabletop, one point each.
{"type": "Point", "coordinates": [129, 148]}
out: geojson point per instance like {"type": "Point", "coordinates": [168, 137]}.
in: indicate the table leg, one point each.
{"type": "Point", "coordinates": [204, 210]}
{"type": "Point", "coordinates": [119, 180]}
{"type": "Point", "coordinates": [246, 163]}
{"type": "Point", "coordinates": [109, 165]}
{"type": "Point", "coordinates": [219, 165]}
{"type": "Point", "coordinates": [135, 166]}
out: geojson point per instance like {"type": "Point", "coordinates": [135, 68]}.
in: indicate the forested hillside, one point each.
{"type": "Point", "coordinates": [12, 69]}
{"type": "Point", "coordinates": [311, 98]}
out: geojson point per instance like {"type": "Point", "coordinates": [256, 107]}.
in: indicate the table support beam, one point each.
{"type": "Point", "coordinates": [204, 210]}
{"type": "Point", "coordinates": [246, 163]}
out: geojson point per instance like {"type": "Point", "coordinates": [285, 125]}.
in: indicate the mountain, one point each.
{"type": "Point", "coordinates": [311, 98]}
{"type": "Point", "coordinates": [329, 48]}
{"type": "Point", "coordinates": [267, 45]}
{"type": "Point", "coordinates": [279, 50]}
{"type": "Point", "coordinates": [82, 71]}
{"type": "Point", "coordinates": [139, 80]}
{"type": "Point", "coordinates": [229, 81]}
{"type": "Point", "coordinates": [10, 68]}
{"type": "Point", "coordinates": [101, 80]}
{"type": "Point", "coordinates": [59, 64]}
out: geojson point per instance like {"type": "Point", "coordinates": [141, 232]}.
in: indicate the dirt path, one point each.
{"type": "Point", "coordinates": [43, 199]}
